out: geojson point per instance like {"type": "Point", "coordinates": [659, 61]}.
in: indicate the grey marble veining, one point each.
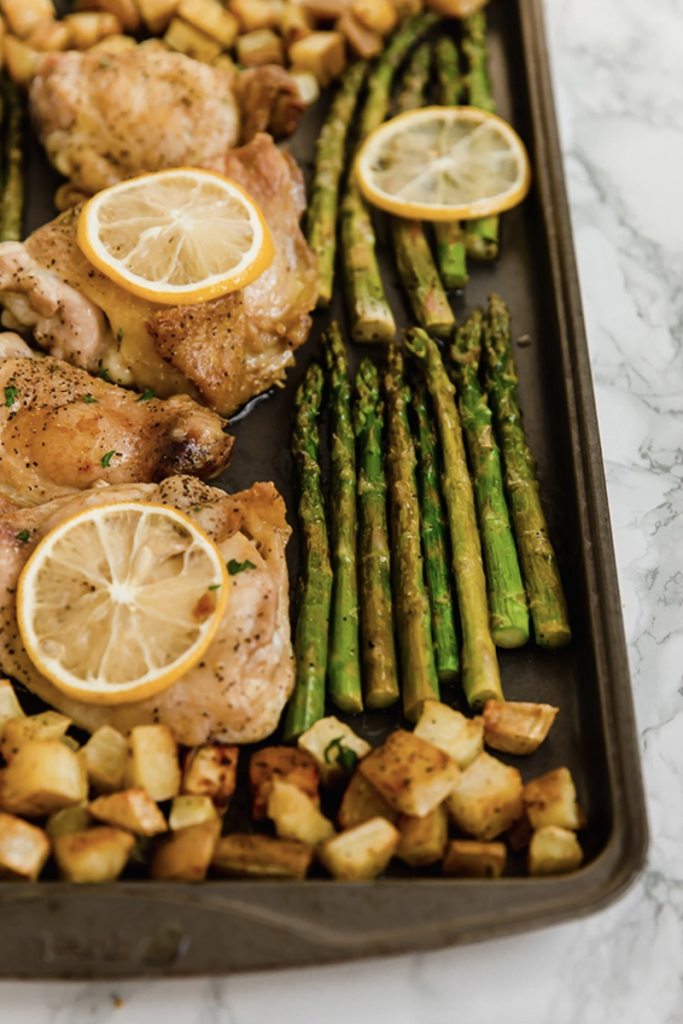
{"type": "Point", "coordinates": [619, 90]}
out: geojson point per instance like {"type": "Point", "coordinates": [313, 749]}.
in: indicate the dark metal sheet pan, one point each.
{"type": "Point", "coordinates": [135, 928]}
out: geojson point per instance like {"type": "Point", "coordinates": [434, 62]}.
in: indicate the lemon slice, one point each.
{"type": "Point", "coordinates": [444, 163]}
{"type": "Point", "coordinates": [119, 601]}
{"type": "Point", "coordinates": [177, 237]}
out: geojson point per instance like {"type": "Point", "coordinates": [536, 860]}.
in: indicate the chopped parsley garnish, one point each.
{"type": "Point", "coordinates": [234, 566]}
{"type": "Point", "coordinates": [24, 535]}
{"type": "Point", "coordinates": [146, 395]}
{"type": "Point", "coordinates": [214, 586]}
{"type": "Point", "coordinates": [104, 373]}
{"type": "Point", "coordinates": [106, 459]}
{"type": "Point", "coordinates": [345, 756]}
{"type": "Point", "coordinates": [119, 335]}
{"type": "Point", "coordinates": [89, 398]}
{"type": "Point", "coordinates": [11, 395]}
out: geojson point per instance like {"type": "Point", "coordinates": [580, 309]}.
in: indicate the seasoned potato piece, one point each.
{"type": "Point", "coordinates": [517, 727]}
{"type": "Point", "coordinates": [211, 770]}
{"type": "Point", "coordinates": [488, 798]}
{"type": "Point", "coordinates": [132, 809]}
{"type": "Point", "coordinates": [459, 737]}
{"type": "Point", "coordinates": [191, 41]}
{"type": "Point", "coordinates": [50, 37]}
{"type": "Point", "coordinates": [24, 848]}
{"type": "Point", "coordinates": [247, 856]}
{"type": "Point", "coordinates": [9, 704]}
{"type": "Point", "coordinates": [43, 776]}
{"type": "Point", "coordinates": [361, 802]}
{"type": "Point", "coordinates": [295, 23]}
{"type": "Point", "coordinates": [48, 725]}
{"type": "Point", "coordinates": [157, 14]}
{"type": "Point", "coordinates": [69, 819]}
{"type": "Point", "coordinates": [360, 853]}
{"type": "Point", "coordinates": [363, 41]}
{"type": "Point", "coordinates": [307, 84]}
{"type": "Point", "coordinates": [334, 747]}
{"type": "Point", "coordinates": [87, 28]}
{"type": "Point", "coordinates": [261, 47]}
{"type": "Point", "coordinates": [377, 15]}
{"type": "Point", "coordinates": [455, 8]}
{"type": "Point", "coordinates": [468, 858]}
{"type": "Point", "coordinates": [115, 44]}
{"type": "Point", "coordinates": [553, 851]}
{"type": "Point", "coordinates": [412, 775]}
{"type": "Point", "coordinates": [20, 60]}
{"type": "Point", "coordinates": [191, 810]}
{"type": "Point", "coordinates": [225, 62]}
{"type": "Point", "coordinates": [326, 10]}
{"type": "Point", "coordinates": [407, 8]}
{"type": "Point", "coordinates": [423, 840]}
{"type": "Point", "coordinates": [98, 855]}
{"type": "Point", "coordinates": [295, 816]}
{"type": "Point", "coordinates": [551, 800]}
{"type": "Point", "coordinates": [23, 15]}
{"type": "Point", "coordinates": [105, 755]}
{"type": "Point", "coordinates": [153, 761]}
{"type": "Point", "coordinates": [212, 19]}
{"type": "Point", "coordinates": [185, 855]}
{"type": "Point", "coordinates": [253, 15]}
{"type": "Point", "coordinates": [321, 53]}
{"type": "Point", "coordinates": [285, 763]}
{"type": "Point", "coordinates": [127, 11]}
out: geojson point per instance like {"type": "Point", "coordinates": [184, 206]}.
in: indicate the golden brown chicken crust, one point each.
{"type": "Point", "coordinates": [269, 101]}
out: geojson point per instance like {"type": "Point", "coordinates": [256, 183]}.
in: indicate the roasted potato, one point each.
{"type": "Point", "coordinates": [254, 15]}
{"type": "Point", "coordinates": [9, 704]}
{"type": "Point", "coordinates": [97, 855]}
{"type": "Point", "coordinates": [360, 853]}
{"type": "Point", "coordinates": [115, 44]}
{"type": "Point", "coordinates": [50, 37]}
{"type": "Point", "coordinates": [261, 47]}
{"type": "Point", "coordinates": [23, 16]}
{"type": "Point", "coordinates": [153, 761]}
{"type": "Point", "coordinates": [295, 816]}
{"type": "Point", "coordinates": [87, 28]}
{"type": "Point", "coordinates": [285, 763]}
{"type": "Point", "coordinates": [185, 38]}
{"type": "Point", "coordinates": [185, 855]}
{"type": "Point", "coordinates": [377, 15]}
{"type": "Point", "coordinates": [211, 770]}
{"type": "Point", "coordinates": [132, 809]}
{"type": "Point", "coordinates": [69, 819]}
{"type": "Point", "coordinates": [553, 851]}
{"type": "Point", "coordinates": [105, 755]}
{"type": "Point", "coordinates": [20, 60]}
{"type": "Point", "coordinates": [468, 858]}
{"type": "Point", "coordinates": [248, 856]}
{"type": "Point", "coordinates": [43, 776]}
{"type": "Point", "coordinates": [326, 10]}
{"type": "Point", "coordinates": [363, 41]}
{"type": "Point", "coordinates": [157, 14]}
{"type": "Point", "coordinates": [127, 11]}
{"type": "Point", "coordinates": [307, 84]}
{"type": "Point", "coordinates": [412, 775]}
{"type": "Point", "coordinates": [459, 737]}
{"type": "Point", "coordinates": [423, 840]}
{"type": "Point", "coordinates": [519, 834]}
{"type": "Point", "coordinates": [48, 725]}
{"type": "Point", "coordinates": [488, 798]}
{"type": "Point", "coordinates": [334, 747]}
{"type": "Point", "coordinates": [24, 848]}
{"type": "Point", "coordinates": [551, 800]}
{"type": "Point", "coordinates": [191, 810]}
{"type": "Point", "coordinates": [321, 53]}
{"type": "Point", "coordinates": [517, 727]}
{"type": "Point", "coordinates": [295, 23]}
{"type": "Point", "coordinates": [211, 18]}
{"type": "Point", "coordinates": [361, 802]}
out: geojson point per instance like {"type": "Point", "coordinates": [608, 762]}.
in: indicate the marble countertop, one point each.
{"type": "Point", "coordinates": [619, 92]}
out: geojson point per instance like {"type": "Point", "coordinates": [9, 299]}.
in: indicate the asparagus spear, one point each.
{"type": "Point", "coordinates": [378, 651]}
{"type": "Point", "coordinates": [321, 220]}
{"type": "Point", "coordinates": [539, 564]}
{"type": "Point", "coordinates": [450, 237]}
{"type": "Point", "coordinates": [344, 657]}
{"type": "Point", "coordinates": [413, 619]}
{"type": "Point", "coordinates": [415, 81]}
{"type": "Point", "coordinates": [480, 674]}
{"type": "Point", "coordinates": [507, 600]}
{"type": "Point", "coordinates": [307, 703]}
{"type": "Point", "coordinates": [482, 235]}
{"type": "Point", "coordinates": [12, 210]}
{"type": "Point", "coordinates": [435, 540]}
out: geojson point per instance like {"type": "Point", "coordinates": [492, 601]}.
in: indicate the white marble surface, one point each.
{"type": "Point", "coordinates": [619, 88]}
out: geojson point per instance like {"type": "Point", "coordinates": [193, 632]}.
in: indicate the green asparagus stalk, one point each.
{"type": "Point", "coordinates": [451, 88]}
{"type": "Point", "coordinates": [435, 540]}
{"type": "Point", "coordinates": [321, 220]}
{"type": "Point", "coordinates": [307, 703]}
{"type": "Point", "coordinates": [547, 602]}
{"type": "Point", "coordinates": [507, 599]}
{"type": "Point", "coordinates": [378, 650]}
{"type": "Point", "coordinates": [421, 278]}
{"type": "Point", "coordinates": [415, 80]}
{"type": "Point", "coordinates": [413, 618]}
{"type": "Point", "coordinates": [482, 234]}
{"type": "Point", "coordinates": [451, 254]}
{"type": "Point", "coordinates": [12, 209]}
{"type": "Point", "coordinates": [480, 674]}
{"type": "Point", "coordinates": [343, 670]}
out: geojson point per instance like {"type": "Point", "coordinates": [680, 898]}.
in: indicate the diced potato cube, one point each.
{"type": "Point", "coordinates": [455, 8]}
{"type": "Point", "coordinates": [326, 10]}
{"type": "Point", "coordinates": [211, 18]}
{"type": "Point", "coordinates": [253, 15]}
{"type": "Point", "coordinates": [423, 840]}
{"type": "Point", "coordinates": [553, 851]}
{"type": "Point", "coordinates": [258, 48]}
{"type": "Point", "coordinates": [9, 704]}
{"type": "Point", "coordinates": [87, 28]}
{"type": "Point", "coordinates": [153, 44]}
{"type": "Point", "coordinates": [153, 761]}
{"type": "Point", "coordinates": [97, 855]}
{"type": "Point", "coordinates": [551, 800]}
{"type": "Point", "coordinates": [191, 41]}
{"type": "Point", "coordinates": [23, 15]}
{"type": "Point", "coordinates": [132, 809]}
{"type": "Point", "coordinates": [42, 777]}
{"type": "Point", "coordinates": [115, 44]}
{"type": "Point", "coordinates": [412, 775]}
{"type": "Point", "coordinates": [360, 853]}
{"type": "Point", "coordinates": [127, 11]}
{"type": "Point", "coordinates": [157, 14]}
{"type": "Point", "coordinates": [321, 53]}
{"type": "Point", "coordinates": [334, 747]}
{"type": "Point", "coordinates": [407, 8]}
{"type": "Point", "coordinates": [363, 42]}
{"type": "Point", "coordinates": [295, 816]}
{"type": "Point", "coordinates": [361, 802]}
{"type": "Point", "coordinates": [247, 856]}
{"type": "Point", "coordinates": [50, 37]}
{"type": "Point", "coordinates": [69, 819]}
{"type": "Point", "coordinates": [295, 23]}
{"type": "Point", "coordinates": [211, 770]}
{"type": "Point", "coordinates": [459, 737]}
{"type": "Point", "coordinates": [71, 742]}
{"type": "Point", "coordinates": [307, 84]}
{"type": "Point", "coordinates": [517, 727]}
{"type": "Point", "coordinates": [468, 858]}
{"type": "Point", "coordinates": [191, 810]}
{"type": "Point", "coordinates": [488, 798]}
{"type": "Point", "coordinates": [285, 763]}
{"type": "Point", "coordinates": [377, 15]}
{"type": "Point", "coordinates": [48, 725]}
{"type": "Point", "coordinates": [20, 60]}
{"type": "Point", "coordinates": [185, 855]}
{"type": "Point", "coordinates": [105, 756]}
{"type": "Point", "coordinates": [24, 848]}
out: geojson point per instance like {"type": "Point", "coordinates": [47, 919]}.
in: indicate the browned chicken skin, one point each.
{"type": "Point", "coordinates": [238, 690]}
{"type": "Point", "coordinates": [62, 430]}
